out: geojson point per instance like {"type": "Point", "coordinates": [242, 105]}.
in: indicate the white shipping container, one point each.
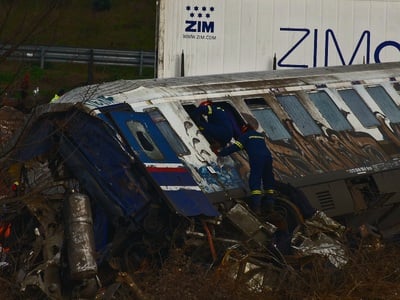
{"type": "Point", "coordinates": [198, 37]}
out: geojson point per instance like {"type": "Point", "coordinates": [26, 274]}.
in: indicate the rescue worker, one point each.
{"type": "Point", "coordinates": [5, 232]}
{"type": "Point", "coordinates": [218, 127]}
{"type": "Point", "coordinates": [57, 96]}
{"type": "Point", "coordinates": [261, 171]}
{"type": "Point", "coordinates": [25, 86]}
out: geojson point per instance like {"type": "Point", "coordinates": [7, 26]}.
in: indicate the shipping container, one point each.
{"type": "Point", "coordinates": [199, 37]}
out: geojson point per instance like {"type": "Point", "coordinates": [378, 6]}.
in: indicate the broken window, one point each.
{"type": "Point", "coordinates": [329, 111]}
{"type": "Point", "coordinates": [144, 140]}
{"type": "Point", "coordinates": [172, 137]}
{"type": "Point", "coordinates": [359, 107]}
{"type": "Point", "coordinates": [236, 119]}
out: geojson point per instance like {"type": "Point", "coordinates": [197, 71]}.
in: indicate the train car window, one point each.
{"type": "Point", "coordinates": [144, 140]}
{"type": "Point", "coordinates": [268, 119]}
{"type": "Point", "coordinates": [329, 110]}
{"type": "Point", "coordinates": [358, 107]}
{"type": "Point", "coordinates": [190, 109]}
{"type": "Point", "coordinates": [235, 116]}
{"type": "Point", "coordinates": [385, 102]}
{"type": "Point", "coordinates": [172, 137]}
{"type": "Point", "coordinates": [237, 120]}
{"type": "Point", "coordinates": [299, 114]}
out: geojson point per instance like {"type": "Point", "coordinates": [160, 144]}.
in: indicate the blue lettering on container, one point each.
{"type": "Point", "coordinates": [199, 26]}
{"type": "Point", "coordinates": [198, 19]}
{"type": "Point", "coordinates": [330, 39]}
{"type": "Point", "coordinates": [383, 45]}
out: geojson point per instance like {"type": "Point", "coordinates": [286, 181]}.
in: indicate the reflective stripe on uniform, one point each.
{"type": "Point", "coordinates": [271, 191]}
{"type": "Point", "coordinates": [255, 137]}
{"type": "Point", "coordinates": [256, 192]}
{"type": "Point", "coordinates": [55, 98]}
{"type": "Point", "coordinates": [239, 144]}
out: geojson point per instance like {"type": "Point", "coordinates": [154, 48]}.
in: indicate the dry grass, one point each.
{"type": "Point", "coordinates": [370, 274]}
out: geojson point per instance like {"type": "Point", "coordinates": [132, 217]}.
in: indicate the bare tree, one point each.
{"type": "Point", "coordinates": [19, 24]}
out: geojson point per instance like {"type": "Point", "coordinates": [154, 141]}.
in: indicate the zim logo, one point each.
{"type": "Point", "coordinates": [198, 19]}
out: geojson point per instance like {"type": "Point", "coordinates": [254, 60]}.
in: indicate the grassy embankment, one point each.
{"type": "Point", "coordinates": [128, 25]}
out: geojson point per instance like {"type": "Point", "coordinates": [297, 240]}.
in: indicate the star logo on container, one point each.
{"type": "Point", "coordinates": [198, 19]}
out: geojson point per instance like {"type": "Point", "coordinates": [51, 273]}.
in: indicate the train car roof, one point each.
{"type": "Point", "coordinates": [207, 85]}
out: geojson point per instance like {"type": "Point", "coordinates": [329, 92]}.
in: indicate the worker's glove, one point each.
{"type": "Point", "coordinates": [215, 149]}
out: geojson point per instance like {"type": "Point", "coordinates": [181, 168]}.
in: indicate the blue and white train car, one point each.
{"type": "Point", "coordinates": [334, 132]}
{"type": "Point", "coordinates": [134, 148]}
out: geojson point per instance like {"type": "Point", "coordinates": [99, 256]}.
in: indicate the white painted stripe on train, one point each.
{"type": "Point", "coordinates": [164, 165]}
{"type": "Point", "coordinates": [179, 187]}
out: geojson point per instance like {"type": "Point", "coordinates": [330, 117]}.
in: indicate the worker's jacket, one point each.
{"type": "Point", "coordinates": [218, 124]}
{"type": "Point", "coordinates": [55, 98]}
{"type": "Point", "coordinates": [254, 144]}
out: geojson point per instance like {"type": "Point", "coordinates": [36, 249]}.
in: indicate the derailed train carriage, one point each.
{"type": "Point", "coordinates": [121, 170]}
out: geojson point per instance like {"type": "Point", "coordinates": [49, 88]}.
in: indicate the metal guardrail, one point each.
{"type": "Point", "coordinates": [45, 54]}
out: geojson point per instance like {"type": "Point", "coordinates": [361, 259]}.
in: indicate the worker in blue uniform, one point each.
{"type": "Point", "coordinates": [261, 171]}
{"type": "Point", "coordinates": [218, 127]}
{"type": "Point", "coordinates": [57, 96]}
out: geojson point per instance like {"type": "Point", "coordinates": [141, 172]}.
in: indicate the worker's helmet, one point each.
{"type": "Point", "coordinates": [244, 128]}
{"type": "Point", "coordinates": [205, 103]}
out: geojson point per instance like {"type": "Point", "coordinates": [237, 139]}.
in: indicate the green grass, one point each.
{"type": "Point", "coordinates": [128, 25]}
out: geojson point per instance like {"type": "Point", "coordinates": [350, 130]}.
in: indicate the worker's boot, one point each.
{"type": "Point", "coordinates": [268, 204]}
{"type": "Point", "coordinates": [255, 204]}
{"type": "Point", "coordinates": [268, 201]}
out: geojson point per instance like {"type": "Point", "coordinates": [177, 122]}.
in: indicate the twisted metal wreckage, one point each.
{"type": "Point", "coordinates": [115, 174]}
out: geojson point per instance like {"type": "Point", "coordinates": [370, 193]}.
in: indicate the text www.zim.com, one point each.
{"type": "Point", "coordinates": [199, 36]}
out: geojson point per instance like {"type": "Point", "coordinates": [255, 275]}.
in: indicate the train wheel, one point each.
{"type": "Point", "coordinates": [285, 215]}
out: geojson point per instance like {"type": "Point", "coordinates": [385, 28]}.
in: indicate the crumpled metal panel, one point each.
{"type": "Point", "coordinates": [321, 221]}
{"type": "Point", "coordinates": [321, 244]}
{"type": "Point", "coordinates": [321, 235]}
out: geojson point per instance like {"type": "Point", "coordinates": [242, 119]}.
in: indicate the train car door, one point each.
{"type": "Point", "coordinates": [167, 172]}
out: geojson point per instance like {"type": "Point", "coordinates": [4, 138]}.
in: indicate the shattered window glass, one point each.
{"type": "Point", "coordinates": [172, 137]}
{"type": "Point", "coordinates": [385, 102]}
{"type": "Point", "coordinates": [329, 111]}
{"type": "Point", "coordinates": [359, 107]}
{"type": "Point", "coordinates": [299, 114]}
{"type": "Point", "coordinates": [144, 140]}
{"type": "Point", "coordinates": [268, 119]}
